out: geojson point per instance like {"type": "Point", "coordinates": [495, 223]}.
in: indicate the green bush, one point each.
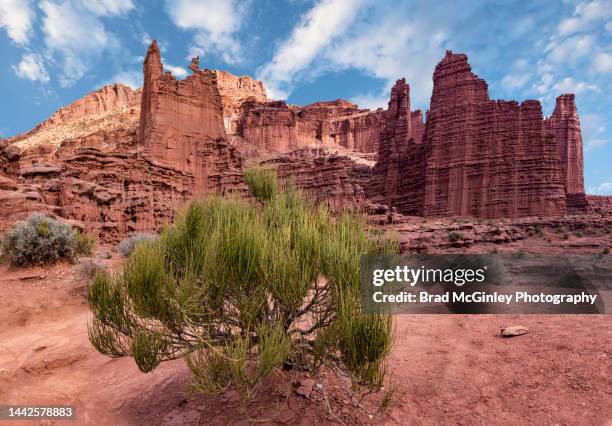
{"type": "Point", "coordinates": [83, 244]}
{"type": "Point", "coordinates": [262, 183]}
{"type": "Point", "coordinates": [39, 240]}
{"type": "Point", "coordinates": [126, 246]}
{"type": "Point", "coordinates": [231, 287]}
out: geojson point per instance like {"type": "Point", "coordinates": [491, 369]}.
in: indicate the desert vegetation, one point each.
{"type": "Point", "coordinates": [127, 245]}
{"type": "Point", "coordinates": [42, 240]}
{"type": "Point", "coordinates": [240, 288]}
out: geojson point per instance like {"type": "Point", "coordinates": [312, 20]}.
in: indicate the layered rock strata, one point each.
{"type": "Point", "coordinates": [478, 157]}
{"type": "Point", "coordinates": [181, 124]}
{"type": "Point", "coordinates": [564, 124]}
{"type": "Point", "coordinates": [328, 177]}
{"type": "Point", "coordinates": [279, 127]}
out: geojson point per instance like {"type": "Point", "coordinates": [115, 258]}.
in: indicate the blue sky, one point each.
{"type": "Point", "coordinates": [55, 51]}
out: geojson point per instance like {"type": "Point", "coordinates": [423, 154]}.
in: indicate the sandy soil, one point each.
{"type": "Point", "coordinates": [444, 370]}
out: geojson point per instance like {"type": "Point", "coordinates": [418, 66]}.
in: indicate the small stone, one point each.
{"type": "Point", "coordinates": [515, 330]}
{"type": "Point", "coordinates": [305, 388]}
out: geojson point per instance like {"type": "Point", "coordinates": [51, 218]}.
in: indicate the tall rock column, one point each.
{"type": "Point", "coordinates": [394, 138]}
{"type": "Point", "coordinates": [181, 124]}
{"type": "Point", "coordinates": [565, 126]}
{"type": "Point", "coordinates": [487, 158]}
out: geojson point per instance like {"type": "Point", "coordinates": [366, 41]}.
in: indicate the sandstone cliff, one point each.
{"type": "Point", "coordinates": [234, 92]}
{"type": "Point", "coordinates": [279, 127]}
{"type": "Point", "coordinates": [329, 178]}
{"type": "Point", "coordinates": [181, 124]}
{"type": "Point", "coordinates": [479, 157]}
{"type": "Point", "coordinates": [109, 109]}
{"type": "Point", "coordinates": [564, 124]}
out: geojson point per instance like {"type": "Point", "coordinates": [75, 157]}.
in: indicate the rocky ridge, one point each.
{"type": "Point", "coordinates": [119, 161]}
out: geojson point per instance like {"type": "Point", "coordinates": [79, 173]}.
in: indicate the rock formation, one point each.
{"type": "Point", "coordinates": [330, 178]}
{"type": "Point", "coordinates": [399, 170]}
{"type": "Point", "coordinates": [181, 124]}
{"type": "Point", "coordinates": [120, 160]}
{"type": "Point", "coordinates": [234, 92]}
{"type": "Point", "coordinates": [113, 108]}
{"type": "Point", "coordinates": [479, 157]}
{"type": "Point", "coordinates": [279, 127]}
{"type": "Point", "coordinates": [564, 124]}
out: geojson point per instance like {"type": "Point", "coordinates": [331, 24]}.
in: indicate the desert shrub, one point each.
{"type": "Point", "coordinates": [605, 250]}
{"type": "Point", "coordinates": [262, 183]}
{"type": "Point", "coordinates": [83, 244]}
{"type": "Point", "coordinates": [39, 240]}
{"type": "Point", "coordinates": [127, 245]}
{"type": "Point", "coordinates": [454, 236]}
{"type": "Point", "coordinates": [89, 268]}
{"type": "Point", "coordinates": [232, 287]}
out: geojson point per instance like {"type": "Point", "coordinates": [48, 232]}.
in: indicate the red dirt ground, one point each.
{"type": "Point", "coordinates": [452, 369]}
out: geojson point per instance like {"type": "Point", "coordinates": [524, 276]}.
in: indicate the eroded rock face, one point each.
{"type": "Point", "coordinates": [109, 109]}
{"type": "Point", "coordinates": [115, 194]}
{"type": "Point", "coordinates": [181, 124]}
{"type": "Point", "coordinates": [108, 194]}
{"type": "Point", "coordinates": [399, 176]}
{"type": "Point", "coordinates": [601, 204]}
{"type": "Point", "coordinates": [234, 92]}
{"type": "Point", "coordinates": [564, 124]}
{"type": "Point", "coordinates": [479, 157]}
{"type": "Point", "coordinates": [120, 161]}
{"type": "Point", "coordinates": [279, 127]}
{"type": "Point", "coordinates": [328, 177]}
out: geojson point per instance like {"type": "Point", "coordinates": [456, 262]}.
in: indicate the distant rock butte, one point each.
{"type": "Point", "coordinates": [479, 157]}
{"type": "Point", "coordinates": [120, 160]}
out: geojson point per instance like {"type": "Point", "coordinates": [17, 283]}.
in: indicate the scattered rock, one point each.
{"type": "Point", "coordinates": [33, 277]}
{"type": "Point", "coordinates": [515, 330]}
{"type": "Point", "coordinates": [305, 387]}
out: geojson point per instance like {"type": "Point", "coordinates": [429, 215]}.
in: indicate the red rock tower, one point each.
{"type": "Point", "coordinates": [181, 124]}
{"type": "Point", "coordinates": [565, 126]}
{"type": "Point", "coordinates": [478, 157]}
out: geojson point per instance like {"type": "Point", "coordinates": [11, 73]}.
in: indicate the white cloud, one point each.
{"type": "Point", "coordinates": [371, 100]}
{"type": "Point", "coordinates": [215, 21]}
{"type": "Point", "coordinates": [584, 15]}
{"type": "Point", "coordinates": [16, 18]}
{"type": "Point", "coordinates": [593, 128]}
{"type": "Point", "coordinates": [389, 45]}
{"type": "Point", "coordinates": [603, 62]}
{"type": "Point", "coordinates": [512, 82]}
{"type": "Point", "coordinates": [568, 85]}
{"type": "Point", "coordinates": [75, 36]}
{"type": "Point", "coordinates": [146, 41]}
{"type": "Point", "coordinates": [570, 49]}
{"type": "Point", "coordinates": [32, 68]}
{"type": "Point", "coordinates": [608, 26]}
{"type": "Point", "coordinates": [327, 20]}
{"type": "Point", "coordinates": [108, 7]}
{"type": "Point", "coordinates": [179, 72]}
{"type": "Point", "coordinates": [604, 188]}
{"type": "Point", "coordinates": [129, 78]}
